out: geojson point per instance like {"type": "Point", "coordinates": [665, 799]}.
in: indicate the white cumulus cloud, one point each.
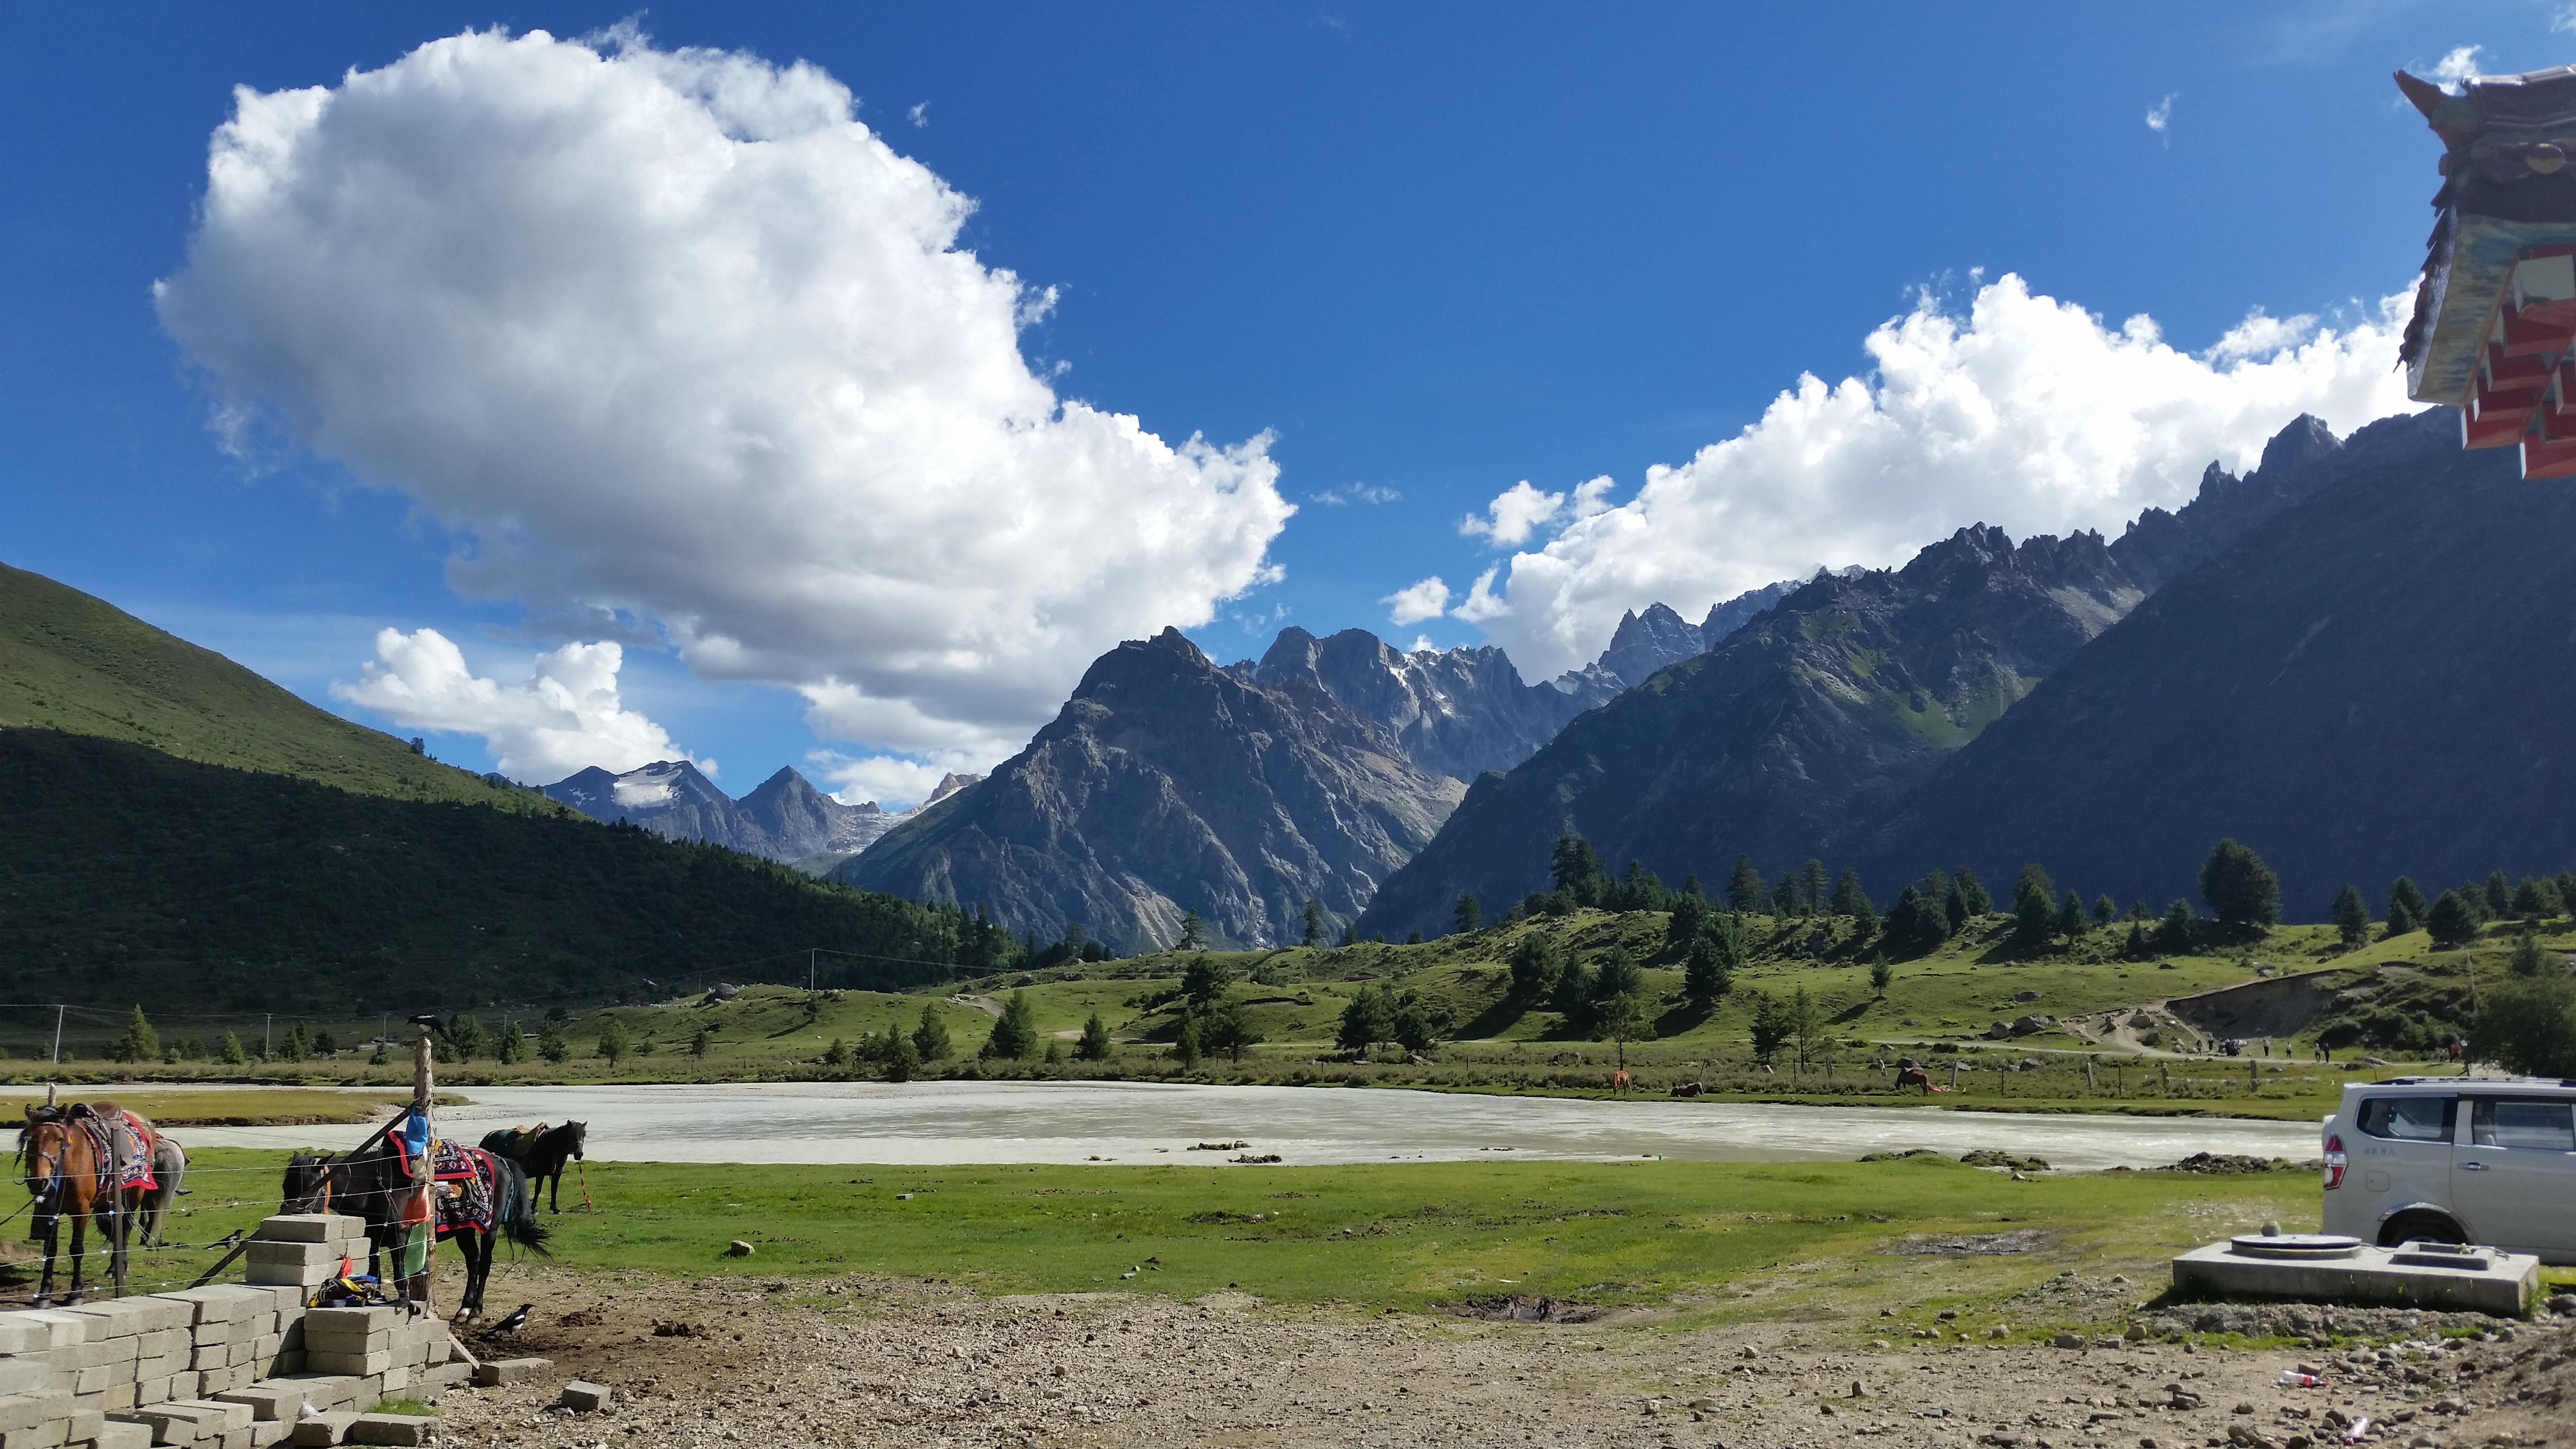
{"type": "Point", "coordinates": [2160, 116]}
{"type": "Point", "coordinates": [892, 781]}
{"type": "Point", "coordinates": [1417, 602]}
{"type": "Point", "coordinates": [566, 717]}
{"type": "Point", "coordinates": [671, 336]}
{"type": "Point", "coordinates": [2458, 66]}
{"type": "Point", "coordinates": [2026, 412]}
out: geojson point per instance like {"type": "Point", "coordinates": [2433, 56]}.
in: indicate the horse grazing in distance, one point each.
{"type": "Point", "coordinates": [541, 1152]}
{"type": "Point", "coordinates": [1911, 1074]}
{"type": "Point", "coordinates": [1688, 1089]}
{"type": "Point", "coordinates": [476, 1199]}
{"type": "Point", "coordinates": [1620, 1081]}
{"type": "Point", "coordinates": [92, 1164]}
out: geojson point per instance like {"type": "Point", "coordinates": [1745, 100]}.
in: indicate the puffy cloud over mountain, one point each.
{"type": "Point", "coordinates": [670, 334]}
{"type": "Point", "coordinates": [566, 716]}
{"type": "Point", "coordinates": [2027, 413]}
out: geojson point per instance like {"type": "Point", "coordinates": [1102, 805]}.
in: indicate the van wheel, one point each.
{"type": "Point", "coordinates": [2420, 1228]}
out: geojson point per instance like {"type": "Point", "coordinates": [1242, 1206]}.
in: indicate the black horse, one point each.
{"type": "Point", "coordinates": [376, 1183]}
{"type": "Point", "coordinates": [541, 1154]}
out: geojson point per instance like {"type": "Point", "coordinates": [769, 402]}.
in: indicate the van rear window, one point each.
{"type": "Point", "coordinates": [2538, 1124]}
{"type": "Point", "coordinates": [2409, 1119]}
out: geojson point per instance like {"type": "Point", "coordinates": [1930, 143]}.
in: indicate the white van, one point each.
{"type": "Point", "coordinates": [2455, 1160]}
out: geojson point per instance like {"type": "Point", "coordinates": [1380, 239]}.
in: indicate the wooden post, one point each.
{"type": "Point", "coordinates": [2088, 1074]}
{"type": "Point", "coordinates": [424, 1170]}
{"type": "Point", "coordinates": [119, 1141]}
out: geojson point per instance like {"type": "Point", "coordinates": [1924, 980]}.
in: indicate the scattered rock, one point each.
{"type": "Point", "coordinates": [1989, 1157]}
{"type": "Point", "coordinates": [737, 1249]}
{"type": "Point", "coordinates": [2067, 1340]}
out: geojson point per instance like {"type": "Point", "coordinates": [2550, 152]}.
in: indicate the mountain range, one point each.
{"type": "Point", "coordinates": [1168, 785]}
{"type": "Point", "coordinates": [1857, 719]}
{"type": "Point", "coordinates": [785, 819]}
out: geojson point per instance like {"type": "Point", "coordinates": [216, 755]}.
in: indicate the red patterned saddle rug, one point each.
{"type": "Point", "coordinates": [461, 1185]}
{"type": "Point", "coordinates": [137, 1161]}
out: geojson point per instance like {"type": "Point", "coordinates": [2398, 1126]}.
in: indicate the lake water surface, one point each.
{"type": "Point", "coordinates": [938, 1123]}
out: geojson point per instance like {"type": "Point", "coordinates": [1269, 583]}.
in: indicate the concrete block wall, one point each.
{"type": "Point", "coordinates": [227, 1366]}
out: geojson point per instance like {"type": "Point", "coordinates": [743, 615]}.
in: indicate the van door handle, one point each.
{"type": "Point", "coordinates": [2473, 1167]}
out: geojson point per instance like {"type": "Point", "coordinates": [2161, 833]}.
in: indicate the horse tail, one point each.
{"type": "Point", "coordinates": [517, 1207]}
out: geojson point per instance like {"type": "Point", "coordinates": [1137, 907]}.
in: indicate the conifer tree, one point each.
{"type": "Point", "coordinates": [702, 1042]}
{"type": "Point", "coordinates": [1744, 887]}
{"type": "Point", "coordinates": [2351, 915]}
{"type": "Point", "coordinates": [2034, 907]}
{"type": "Point", "coordinates": [902, 1058]}
{"type": "Point", "coordinates": [2535, 899]}
{"type": "Point", "coordinates": [1773, 1025]}
{"type": "Point", "coordinates": [613, 1041]}
{"type": "Point", "coordinates": [1095, 1045]}
{"type": "Point", "coordinates": [1620, 1006]}
{"type": "Point", "coordinates": [2180, 929]}
{"type": "Point", "coordinates": [2528, 958]}
{"type": "Point", "coordinates": [1882, 972]}
{"type": "Point", "coordinates": [2240, 890]}
{"type": "Point", "coordinates": [1314, 924]}
{"type": "Point", "coordinates": [2070, 918]}
{"type": "Point", "coordinates": [1972, 892]}
{"type": "Point", "coordinates": [1576, 868]}
{"type": "Point", "coordinates": [1015, 1034]}
{"type": "Point", "coordinates": [554, 1045]}
{"type": "Point", "coordinates": [1534, 968]}
{"type": "Point", "coordinates": [1689, 916]}
{"type": "Point", "coordinates": [1193, 933]}
{"type": "Point", "coordinates": [930, 1038]}
{"type": "Point", "coordinates": [2105, 910]}
{"type": "Point", "coordinates": [140, 1042]}
{"type": "Point", "coordinates": [2497, 896]}
{"type": "Point", "coordinates": [1811, 887]}
{"type": "Point", "coordinates": [513, 1045]}
{"type": "Point", "coordinates": [2453, 922]}
{"type": "Point", "coordinates": [1230, 1030]}
{"type": "Point", "coordinates": [1572, 996]}
{"type": "Point", "coordinates": [2403, 892]}
{"type": "Point", "coordinates": [1708, 972]}
{"type": "Point", "coordinates": [1204, 980]}
{"type": "Point", "coordinates": [1469, 914]}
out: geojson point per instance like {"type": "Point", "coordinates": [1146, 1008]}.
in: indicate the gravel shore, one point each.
{"type": "Point", "coordinates": [878, 1362]}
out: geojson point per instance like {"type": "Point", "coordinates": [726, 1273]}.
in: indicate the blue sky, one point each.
{"type": "Point", "coordinates": [1435, 250]}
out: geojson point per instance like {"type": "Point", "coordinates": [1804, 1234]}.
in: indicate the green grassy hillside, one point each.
{"type": "Point", "coordinates": [78, 664]}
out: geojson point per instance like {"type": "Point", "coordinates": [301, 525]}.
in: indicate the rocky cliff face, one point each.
{"type": "Point", "coordinates": [1168, 785]}
{"type": "Point", "coordinates": [785, 819]}
{"type": "Point", "coordinates": [1458, 713]}
{"type": "Point", "coordinates": [1812, 722]}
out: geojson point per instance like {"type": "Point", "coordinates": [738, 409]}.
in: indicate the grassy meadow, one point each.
{"type": "Point", "coordinates": [1688, 1242]}
{"type": "Point", "coordinates": [1940, 1009]}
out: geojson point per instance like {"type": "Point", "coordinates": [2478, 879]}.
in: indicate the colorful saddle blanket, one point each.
{"type": "Point", "coordinates": [461, 1187]}
{"type": "Point", "coordinates": [137, 1141]}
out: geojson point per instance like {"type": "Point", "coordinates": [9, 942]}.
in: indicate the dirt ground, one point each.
{"type": "Point", "coordinates": [878, 1362]}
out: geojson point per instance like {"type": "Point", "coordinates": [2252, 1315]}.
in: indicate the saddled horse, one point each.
{"type": "Point", "coordinates": [479, 1198]}
{"type": "Point", "coordinates": [541, 1152]}
{"type": "Point", "coordinates": [73, 1169]}
{"type": "Point", "coordinates": [1909, 1073]}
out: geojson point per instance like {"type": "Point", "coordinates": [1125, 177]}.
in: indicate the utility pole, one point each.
{"type": "Point", "coordinates": [809, 970]}
{"type": "Point", "coordinates": [264, 1023]}
{"type": "Point", "coordinates": [58, 1034]}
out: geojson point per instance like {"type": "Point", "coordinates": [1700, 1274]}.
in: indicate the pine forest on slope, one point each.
{"type": "Point", "coordinates": [129, 875]}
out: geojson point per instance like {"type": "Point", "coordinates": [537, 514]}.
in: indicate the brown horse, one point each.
{"type": "Point", "coordinates": [1619, 1080]}
{"type": "Point", "coordinates": [69, 1175]}
{"type": "Point", "coordinates": [1688, 1089]}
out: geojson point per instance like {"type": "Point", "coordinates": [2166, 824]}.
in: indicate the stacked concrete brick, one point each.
{"type": "Point", "coordinates": [229, 1366]}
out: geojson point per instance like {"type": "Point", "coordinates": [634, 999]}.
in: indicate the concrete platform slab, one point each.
{"type": "Point", "coordinates": [2415, 1275]}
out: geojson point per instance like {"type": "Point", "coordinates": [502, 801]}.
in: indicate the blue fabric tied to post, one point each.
{"type": "Point", "coordinates": [416, 1135]}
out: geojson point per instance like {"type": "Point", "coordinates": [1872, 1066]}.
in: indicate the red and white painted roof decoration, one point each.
{"type": "Point", "coordinates": [2494, 331]}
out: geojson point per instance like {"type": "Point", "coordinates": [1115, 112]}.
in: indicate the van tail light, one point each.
{"type": "Point", "coordinates": [2334, 1160]}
